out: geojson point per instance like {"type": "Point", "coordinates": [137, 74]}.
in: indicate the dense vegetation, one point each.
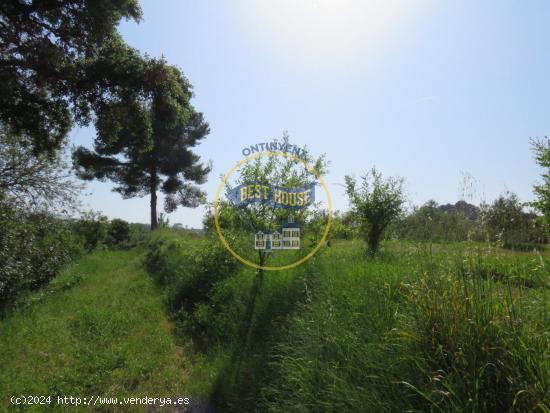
{"type": "Point", "coordinates": [423, 327]}
{"type": "Point", "coordinates": [35, 246]}
{"type": "Point", "coordinates": [446, 311]}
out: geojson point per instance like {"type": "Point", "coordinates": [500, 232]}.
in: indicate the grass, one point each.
{"type": "Point", "coordinates": [442, 328]}
{"type": "Point", "coordinates": [99, 328]}
{"type": "Point", "coordinates": [460, 327]}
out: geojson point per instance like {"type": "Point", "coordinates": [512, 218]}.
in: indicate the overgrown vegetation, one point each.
{"type": "Point", "coordinates": [97, 329]}
{"type": "Point", "coordinates": [187, 268]}
{"type": "Point", "coordinates": [442, 328]}
{"type": "Point", "coordinates": [448, 311]}
{"type": "Point", "coordinates": [505, 223]}
{"type": "Point", "coordinates": [36, 245]}
{"type": "Point", "coordinates": [33, 248]}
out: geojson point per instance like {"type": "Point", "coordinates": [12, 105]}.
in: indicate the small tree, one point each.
{"type": "Point", "coordinates": [118, 231]}
{"type": "Point", "coordinates": [279, 172]}
{"type": "Point", "coordinates": [541, 148]}
{"type": "Point", "coordinates": [376, 203]}
{"type": "Point", "coordinates": [91, 228]}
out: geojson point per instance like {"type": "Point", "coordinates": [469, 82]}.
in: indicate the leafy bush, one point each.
{"type": "Point", "coordinates": [91, 228]}
{"type": "Point", "coordinates": [138, 233]}
{"type": "Point", "coordinates": [118, 232]}
{"type": "Point", "coordinates": [33, 248]}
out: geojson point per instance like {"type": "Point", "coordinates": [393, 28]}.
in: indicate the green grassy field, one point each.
{"type": "Point", "coordinates": [442, 328]}
{"type": "Point", "coordinates": [98, 329]}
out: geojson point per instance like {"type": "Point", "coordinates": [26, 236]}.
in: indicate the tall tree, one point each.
{"type": "Point", "coordinates": [144, 141]}
{"type": "Point", "coordinates": [46, 48]}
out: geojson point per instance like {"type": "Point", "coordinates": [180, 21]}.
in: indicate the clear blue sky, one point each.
{"type": "Point", "coordinates": [423, 89]}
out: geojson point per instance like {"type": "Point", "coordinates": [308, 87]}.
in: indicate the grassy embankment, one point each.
{"type": "Point", "coordinates": [99, 328]}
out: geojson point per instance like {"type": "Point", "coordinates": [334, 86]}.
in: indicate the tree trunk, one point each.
{"type": "Point", "coordinates": [373, 240]}
{"type": "Point", "coordinates": [153, 189]}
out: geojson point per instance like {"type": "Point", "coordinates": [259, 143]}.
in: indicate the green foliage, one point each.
{"type": "Point", "coordinates": [34, 181]}
{"type": "Point", "coordinates": [118, 232]}
{"type": "Point", "coordinates": [91, 228]}
{"type": "Point", "coordinates": [138, 233]}
{"type": "Point", "coordinates": [344, 226]}
{"type": "Point", "coordinates": [508, 225]}
{"type": "Point", "coordinates": [47, 48]}
{"type": "Point", "coordinates": [163, 221]}
{"type": "Point", "coordinates": [541, 148]}
{"type": "Point", "coordinates": [144, 141]}
{"type": "Point", "coordinates": [279, 171]}
{"type": "Point", "coordinates": [485, 347]}
{"type": "Point", "coordinates": [228, 218]}
{"type": "Point", "coordinates": [316, 225]}
{"type": "Point", "coordinates": [440, 223]}
{"type": "Point", "coordinates": [98, 328]}
{"type": "Point", "coordinates": [461, 330]}
{"type": "Point", "coordinates": [189, 268]}
{"type": "Point", "coordinates": [33, 248]}
{"type": "Point", "coordinates": [376, 203]}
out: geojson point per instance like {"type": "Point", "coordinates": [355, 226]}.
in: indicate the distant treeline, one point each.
{"type": "Point", "coordinates": [504, 222]}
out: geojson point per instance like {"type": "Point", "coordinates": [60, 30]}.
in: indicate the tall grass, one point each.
{"type": "Point", "coordinates": [446, 328]}
{"type": "Point", "coordinates": [99, 328]}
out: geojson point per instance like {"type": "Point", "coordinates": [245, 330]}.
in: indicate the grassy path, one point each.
{"type": "Point", "coordinates": [98, 329]}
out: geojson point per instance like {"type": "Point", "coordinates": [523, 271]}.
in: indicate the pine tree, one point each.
{"type": "Point", "coordinates": [144, 142]}
{"type": "Point", "coordinates": [45, 50]}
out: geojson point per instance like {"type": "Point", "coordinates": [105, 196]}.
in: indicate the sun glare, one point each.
{"type": "Point", "coordinates": [327, 29]}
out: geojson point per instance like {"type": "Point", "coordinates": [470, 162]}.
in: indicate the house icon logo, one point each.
{"type": "Point", "coordinates": [287, 239]}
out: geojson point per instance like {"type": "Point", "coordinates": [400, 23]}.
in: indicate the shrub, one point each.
{"type": "Point", "coordinates": [138, 233]}
{"type": "Point", "coordinates": [91, 228]}
{"type": "Point", "coordinates": [437, 223]}
{"type": "Point", "coordinates": [33, 248]}
{"type": "Point", "coordinates": [118, 232]}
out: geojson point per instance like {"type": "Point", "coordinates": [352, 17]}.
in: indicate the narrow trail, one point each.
{"type": "Point", "coordinates": [98, 330]}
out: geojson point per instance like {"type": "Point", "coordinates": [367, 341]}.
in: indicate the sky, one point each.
{"type": "Point", "coordinates": [438, 92]}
